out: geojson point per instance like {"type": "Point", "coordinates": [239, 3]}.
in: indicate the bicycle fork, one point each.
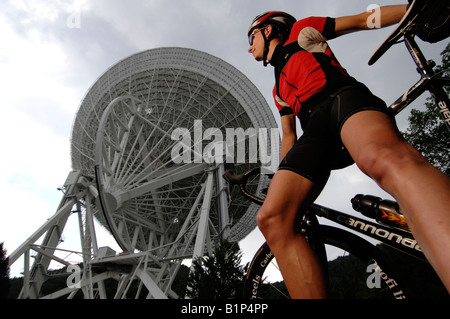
{"type": "Point", "coordinates": [429, 80]}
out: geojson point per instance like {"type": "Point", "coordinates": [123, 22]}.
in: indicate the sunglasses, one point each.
{"type": "Point", "coordinates": [252, 36]}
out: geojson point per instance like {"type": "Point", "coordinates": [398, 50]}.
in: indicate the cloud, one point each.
{"type": "Point", "coordinates": [46, 68]}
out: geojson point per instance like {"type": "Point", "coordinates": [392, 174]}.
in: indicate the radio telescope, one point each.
{"type": "Point", "coordinates": [158, 192]}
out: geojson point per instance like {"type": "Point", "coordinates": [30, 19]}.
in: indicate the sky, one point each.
{"type": "Point", "coordinates": [52, 51]}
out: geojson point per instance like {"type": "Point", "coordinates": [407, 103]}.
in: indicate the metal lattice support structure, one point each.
{"type": "Point", "coordinates": [160, 209]}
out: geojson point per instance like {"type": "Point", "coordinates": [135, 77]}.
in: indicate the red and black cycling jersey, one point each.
{"type": "Point", "coordinates": [305, 66]}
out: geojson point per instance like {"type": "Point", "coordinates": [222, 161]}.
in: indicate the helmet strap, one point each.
{"type": "Point", "coordinates": [266, 49]}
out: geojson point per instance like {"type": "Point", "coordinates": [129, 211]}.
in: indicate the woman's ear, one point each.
{"type": "Point", "coordinates": [268, 30]}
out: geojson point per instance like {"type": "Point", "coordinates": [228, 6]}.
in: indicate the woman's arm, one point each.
{"type": "Point", "coordinates": [388, 15]}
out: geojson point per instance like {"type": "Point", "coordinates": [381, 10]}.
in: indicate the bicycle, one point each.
{"type": "Point", "coordinates": [429, 80]}
{"type": "Point", "coordinates": [387, 224]}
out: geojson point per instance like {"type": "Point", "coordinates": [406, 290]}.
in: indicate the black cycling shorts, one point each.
{"type": "Point", "coordinates": [320, 149]}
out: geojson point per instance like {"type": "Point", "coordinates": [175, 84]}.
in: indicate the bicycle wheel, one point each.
{"type": "Point", "coordinates": [363, 273]}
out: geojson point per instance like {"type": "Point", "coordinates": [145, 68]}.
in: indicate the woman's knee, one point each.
{"type": "Point", "coordinates": [265, 218]}
{"type": "Point", "coordinates": [288, 194]}
{"type": "Point", "coordinates": [272, 224]}
{"type": "Point", "coordinates": [387, 164]}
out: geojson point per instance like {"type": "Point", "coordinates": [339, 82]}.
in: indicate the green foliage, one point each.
{"type": "Point", "coordinates": [180, 282]}
{"type": "Point", "coordinates": [217, 276]}
{"type": "Point", "coordinates": [418, 277]}
{"type": "Point", "coordinates": [4, 273]}
{"type": "Point", "coordinates": [348, 276]}
{"type": "Point", "coordinates": [427, 132]}
{"type": "Point", "coordinates": [430, 136]}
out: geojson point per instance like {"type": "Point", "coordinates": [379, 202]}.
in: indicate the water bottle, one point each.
{"type": "Point", "coordinates": [384, 211]}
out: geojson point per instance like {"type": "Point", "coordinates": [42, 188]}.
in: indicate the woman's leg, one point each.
{"type": "Point", "coordinates": [422, 191]}
{"type": "Point", "coordinates": [288, 195]}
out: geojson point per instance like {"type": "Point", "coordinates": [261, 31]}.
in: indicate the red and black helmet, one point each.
{"type": "Point", "coordinates": [282, 20]}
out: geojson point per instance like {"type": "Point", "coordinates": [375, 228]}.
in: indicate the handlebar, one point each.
{"type": "Point", "coordinates": [241, 181]}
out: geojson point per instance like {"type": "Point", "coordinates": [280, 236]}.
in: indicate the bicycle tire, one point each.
{"type": "Point", "coordinates": [365, 252]}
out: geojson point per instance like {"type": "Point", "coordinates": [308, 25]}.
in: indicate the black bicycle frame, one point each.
{"type": "Point", "coordinates": [430, 81]}
{"type": "Point", "coordinates": [393, 237]}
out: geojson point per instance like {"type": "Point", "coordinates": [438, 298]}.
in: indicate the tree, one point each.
{"type": "Point", "coordinates": [4, 273]}
{"type": "Point", "coordinates": [427, 132]}
{"type": "Point", "coordinates": [217, 276]}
